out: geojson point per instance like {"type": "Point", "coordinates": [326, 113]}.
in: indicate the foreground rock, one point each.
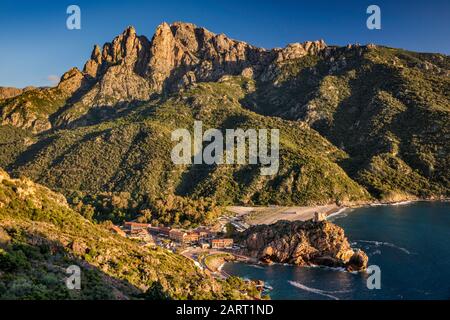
{"type": "Point", "coordinates": [303, 243]}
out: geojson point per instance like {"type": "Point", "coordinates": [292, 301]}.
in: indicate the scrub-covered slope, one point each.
{"type": "Point", "coordinates": [40, 237]}
{"type": "Point", "coordinates": [357, 123]}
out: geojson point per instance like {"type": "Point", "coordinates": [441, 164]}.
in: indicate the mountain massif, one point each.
{"type": "Point", "coordinates": [357, 124]}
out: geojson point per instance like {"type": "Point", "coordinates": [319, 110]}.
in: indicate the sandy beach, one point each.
{"type": "Point", "coordinates": [271, 214]}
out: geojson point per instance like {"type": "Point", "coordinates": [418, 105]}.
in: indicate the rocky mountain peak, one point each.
{"type": "Point", "coordinates": [72, 80]}
{"type": "Point", "coordinates": [131, 67]}
{"type": "Point", "coordinates": [127, 48]}
{"type": "Point", "coordinates": [182, 53]}
{"type": "Point", "coordinates": [298, 50]}
{"type": "Point", "coordinates": [10, 92]}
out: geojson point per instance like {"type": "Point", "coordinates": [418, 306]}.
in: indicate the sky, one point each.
{"type": "Point", "coordinates": [36, 47]}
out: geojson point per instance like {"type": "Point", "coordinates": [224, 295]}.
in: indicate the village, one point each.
{"type": "Point", "coordinates": [202, 237]}
{"type": "Point", "coordinates": [209, 247]}
{"type": "Point", "coordinates": [173, 238]}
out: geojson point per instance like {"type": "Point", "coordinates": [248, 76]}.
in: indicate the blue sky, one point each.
{"type": "Point", "coordinates": [36, 46]}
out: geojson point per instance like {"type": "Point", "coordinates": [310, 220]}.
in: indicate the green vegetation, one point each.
{"type": "Point", "coordinates": [214, 261]}
{"type": "Point", "coordinates": [131, 156]}
{"type": "Point", "coordinates": [40, 236]}
{"type": "Point", "coordinates": [31, 109]}
{"type": "Point", "coordinates": [356, 124]}
{"type": "Point", "coordinates": [388, 109]}
{"type": "Point", "coordinates": [13, 142]}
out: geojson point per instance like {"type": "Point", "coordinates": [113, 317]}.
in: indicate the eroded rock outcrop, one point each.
{"type": "Point", "coordinates": [9, 92]}
{"type": "Point", "coordinates": [131, 68]}
{"type": "Point", "coordinates": [303, 243]}
{"type": "Point", "coordinates": [33, 193]}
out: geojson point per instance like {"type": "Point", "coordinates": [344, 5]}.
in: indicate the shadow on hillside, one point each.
{"type": "Point", "coordinates": [282, 97]}
{"type": "Point", "coordinates": [94, 115]}
{"type": "Point", "coordinates": [191, 178]}
{"type": "Point", "coordinates": [117, 179]}
{"type": "Point", "coordinates": [352, 128]}
{"type": "Point", "coordinates": [86, 85]}
{"type": "Point", "coordinates": [197, 173]}
{"type": "Point", "coordinates": [99, 114]}
{"type": "Point", "coordinates": [29, 153]}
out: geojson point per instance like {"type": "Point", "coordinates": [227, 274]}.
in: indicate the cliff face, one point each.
{"type": "Point", "coordinates": [181, 53]}
{"type": "Point", "coordinates": [9, 92]}
{"type": "Point", "coordinates": [131, 68]}
{"type": "Point", "coordinates": [303, 243]}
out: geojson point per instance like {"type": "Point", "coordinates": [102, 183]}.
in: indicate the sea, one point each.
{"type": "Point", "coordinates": [408, 242]}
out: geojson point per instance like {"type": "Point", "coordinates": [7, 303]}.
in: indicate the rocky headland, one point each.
{"type": "Point", "coordinates": [303, 243]}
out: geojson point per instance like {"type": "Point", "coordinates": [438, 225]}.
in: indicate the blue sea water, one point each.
{"type": "Point", "coordinates": [410, 243]}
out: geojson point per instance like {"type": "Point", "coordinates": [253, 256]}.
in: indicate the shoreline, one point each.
{"type": "Point", "coordinates": [251, 263]}
{"type": "Point", "coordinates": [341, 209]}
{"type": "Point", "coordinates": [329, 214]}
{"type": "Point", "coordinates": [332, 213]}
{"type": "Point", "coordinates": [394, 203]}
{"type": "Point", "coordinates": [267, 215]}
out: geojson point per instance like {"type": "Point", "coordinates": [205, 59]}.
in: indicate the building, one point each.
{"type": "Point", "coordinates": [164, 231]}
{"type": "Point", "coordinates": [203, 235]}
{"type": "Point", "coordinates": [221, 243]}
{"type": "Point", "coordinates": [183, 236]}
{"type": "Point", "coordinates": [192, 237]}
{"type": "Point", "coordinates": [318, 216]}
{"type": "Point", "coordinates": [204, 245]}
{"type": "Point", "coordinates": [136, 226]}
{"type": "Point", "coordinates": [177, 235]}
{"type": "Point", "coordinates": [117, 230]}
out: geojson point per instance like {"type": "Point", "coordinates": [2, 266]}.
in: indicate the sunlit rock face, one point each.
{"type": "Point", "coordinates": [303, 243]}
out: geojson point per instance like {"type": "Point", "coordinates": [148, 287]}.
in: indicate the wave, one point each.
{"type": "Point", "coordinates": [378, 204]}
{"type": "Point", "coordinates": [400, 203]}
{"type": "Point", "coordinates": [256, 266]}
{"type": "Point", "coordinates": [375, 252]}
{"type": "Point", "coordinates": [341, 269]}
{"type": "Point", "coordinates": [334, 214]}
{"type": "Point", "coordinates": [387, 244]}
{"type": "Point", "coordinates": [328, 294]}
{"type": "Point", "coordinates": [267, 285]}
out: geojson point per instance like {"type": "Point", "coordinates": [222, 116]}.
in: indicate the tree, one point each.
{"type": "Point", "coordinates": [156, 292]}
{"type": "Point", "coordinates": [87, 211]}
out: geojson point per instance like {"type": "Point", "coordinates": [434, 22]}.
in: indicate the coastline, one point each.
{"type": "Point", "coordinates": [334, 213]}
{"type": "Point", "coordinates": [394, 203]}
{"type": "Point", "coordinates": [389, 250]}
{"type": "Point", "coordinates": [267, 215]}
{"type": "Point", "coordinates": [220, 260]}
